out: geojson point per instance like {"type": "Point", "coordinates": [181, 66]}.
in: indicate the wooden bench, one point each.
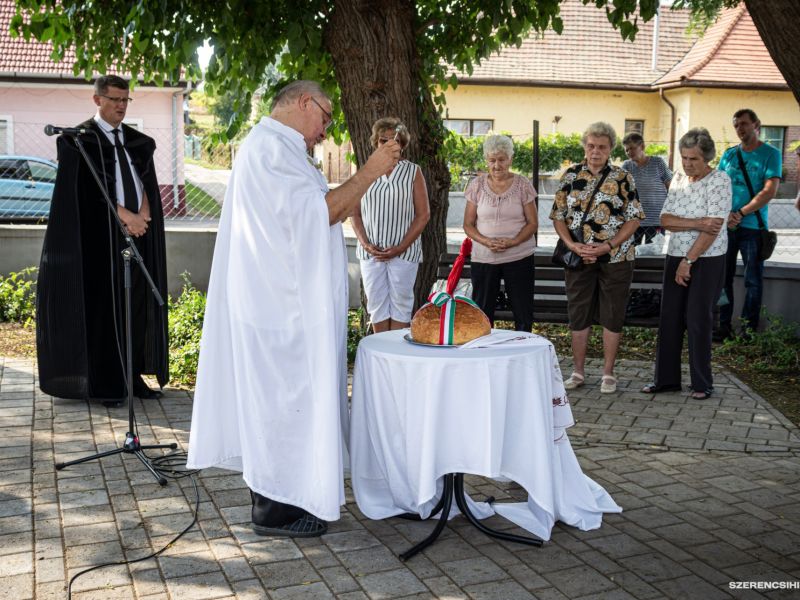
{"type": "Point", "coordinates": [550, 299]}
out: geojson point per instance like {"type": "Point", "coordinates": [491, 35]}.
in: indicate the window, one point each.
{"type": "Point", "coordinates": [14, 169]}
{"type": "Point", "coordinates": [634, 126]}
{"type": "Point", "coordinates": [137, 124]}
{"type": "Point", "coordinates": [42, 172]}
{"type": "Point", "coordinates": [469, 127]}
{"type": "Point", "coordinates": [773, 135]}
{"type": "Point", "coordinates": [6, 135]}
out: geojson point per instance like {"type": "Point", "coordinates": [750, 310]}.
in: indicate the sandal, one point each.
{"type": "Point", "coordinates": [702, 395]}
{"type": "Point", "coordinates": [652, 388]}
{"type": "Point", "coordinates": [575, 381]}
{"type": "Point", "coordinates": [608, 384]}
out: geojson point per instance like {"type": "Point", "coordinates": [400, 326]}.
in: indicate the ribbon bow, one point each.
{"type": "Point", "coordinates": [447, 318]}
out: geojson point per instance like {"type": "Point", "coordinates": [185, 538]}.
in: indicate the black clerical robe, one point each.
{"type": "Point", "coordinates": [80, 323]}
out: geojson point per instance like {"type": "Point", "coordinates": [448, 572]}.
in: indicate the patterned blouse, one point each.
{"type": "Point", "coordinates": [615, 203]}
{"type": "Point", "coordinates": [708, 197]}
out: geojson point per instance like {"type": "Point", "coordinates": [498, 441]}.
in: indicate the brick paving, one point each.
{"type": "Point", "coordinates": [710, 491]}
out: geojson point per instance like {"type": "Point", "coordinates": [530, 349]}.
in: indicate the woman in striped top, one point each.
{"type": "Point", "coordinates": [392, 215]}
{"type": "Point", "coordinates": [652, 177]}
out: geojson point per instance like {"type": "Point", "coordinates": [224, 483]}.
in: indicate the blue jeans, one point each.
{"type": "Point", "coordinates": [747, 242]}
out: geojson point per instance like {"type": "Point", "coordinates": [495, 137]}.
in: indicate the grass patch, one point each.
{"type": "Point", "coordinates": [199, 201]}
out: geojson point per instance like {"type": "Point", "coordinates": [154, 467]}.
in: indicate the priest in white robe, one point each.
{"type": "Point", "coordinates": [271, 394]}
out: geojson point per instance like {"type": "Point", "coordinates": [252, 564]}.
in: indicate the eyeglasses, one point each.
{"type": "Point", "coordinates": [328, 116]}
{"type": "Point", "coordinates": [117, 100]}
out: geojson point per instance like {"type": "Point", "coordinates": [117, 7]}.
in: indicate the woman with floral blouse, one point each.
{"type": "Point", "coordinates": [597, 291]}
{"type": "Point", "coordinates": [697, 205]}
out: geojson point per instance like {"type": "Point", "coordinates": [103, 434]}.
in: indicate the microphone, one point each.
{"type": "Point", "coordinates": [53, 130]}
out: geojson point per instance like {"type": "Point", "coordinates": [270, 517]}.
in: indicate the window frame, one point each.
{"type": "Point", "coordinates": [9, 119]}
{"type": "Point", "coordinates": [764, 139]}
{"type": "Point", "coordinates": [626, 130]}
{"type": "Point", "coordinates": [471, 125]}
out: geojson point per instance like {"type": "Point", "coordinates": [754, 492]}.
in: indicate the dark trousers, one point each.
{"type": "Point", "coordinates": [688, 309]}
{"type": "Point", "coordinates": [141, 296]}
{"type": "Point", "coordinates": [747, 242]}
{"type": "Point", "coordinates": [519, 278]}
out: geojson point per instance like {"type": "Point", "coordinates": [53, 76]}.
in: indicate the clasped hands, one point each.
{"type": "Point", "coordinates": [590, 252]}
{"type": "Point", "coordinates": [135, 223]}
{"type": "Point", "coordinates": [499, 244]}
{"type": "Point", "coordinates": [383, 254]}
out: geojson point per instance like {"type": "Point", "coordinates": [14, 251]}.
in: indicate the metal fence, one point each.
{"type": "Point", "coordinates": [193, 177]}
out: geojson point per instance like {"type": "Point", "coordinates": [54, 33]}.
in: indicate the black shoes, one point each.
{"type": "Point", "coordinates": [723, 333]}
{"type": "Point", "coordinates": [652, 388]}
{"type": "Point", "coordinates": [141, 391]}
{"type": "Point", "coordinates": [278, 519]}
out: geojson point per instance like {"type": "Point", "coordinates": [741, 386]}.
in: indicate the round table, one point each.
{"type": "Point", "coordinates": [420, 413]}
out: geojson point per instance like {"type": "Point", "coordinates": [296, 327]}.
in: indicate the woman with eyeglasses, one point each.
{"type": "Point", "coordinates": [388, 223]}
{"type": "Point", "coordinates": [500, 217]}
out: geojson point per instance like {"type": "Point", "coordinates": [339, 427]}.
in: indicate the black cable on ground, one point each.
{"type": "Point", "coordinates": [167, 465]}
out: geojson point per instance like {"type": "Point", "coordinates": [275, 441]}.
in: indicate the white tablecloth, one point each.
{"type": "Point", "coordinates": [420, 412]}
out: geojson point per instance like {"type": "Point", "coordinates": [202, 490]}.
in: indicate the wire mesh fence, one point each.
{"type": "Point", "coordinates": [193, 176]}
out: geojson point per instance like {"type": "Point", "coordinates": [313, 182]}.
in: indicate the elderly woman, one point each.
{"type": "Point", "coordinates": [388, 224]}
{"type": "Point", "coordinates": [500, 217]}
{"type": "Point", "coordinates": [698, 203]}
{"type": "Point", "coordinates": [603, 198]}
{"type": "Point", "coordinates": [652, 176]}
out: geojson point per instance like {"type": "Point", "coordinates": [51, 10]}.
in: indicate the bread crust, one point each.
{"type": "Point", "coordinates": [470, 323]}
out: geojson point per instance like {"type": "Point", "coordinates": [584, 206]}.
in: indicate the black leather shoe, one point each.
{"type": "Point", "coordinates": [274, 518]}
{"type": "Point", "coordinates": [141, 391]}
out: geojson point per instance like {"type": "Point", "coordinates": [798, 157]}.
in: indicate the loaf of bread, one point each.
{"type": "Point", "coordinates": [470, 323]}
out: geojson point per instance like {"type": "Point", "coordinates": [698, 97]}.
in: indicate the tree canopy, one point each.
{"type": "Point", "coordinates": [157, 40]}
{"type": "Point", "coordinates": [374, 57]}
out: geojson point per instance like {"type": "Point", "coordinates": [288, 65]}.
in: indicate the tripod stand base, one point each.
{"type": "Point", "coordinates": [454, 488]}
{"type": "Point", "coordinates": [131, 446]}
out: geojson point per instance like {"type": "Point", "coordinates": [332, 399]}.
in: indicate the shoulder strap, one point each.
{"type": "Point", "coordinates": [743, 168]}
{"type": "Point", "coordinates": [594, 193]}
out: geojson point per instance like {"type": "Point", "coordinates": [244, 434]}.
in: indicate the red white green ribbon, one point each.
{"type": "Point", "coordinates": [447, 319]}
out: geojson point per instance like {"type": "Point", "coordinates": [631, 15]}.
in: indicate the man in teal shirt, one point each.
{"type": "Point", "coordinates": [763, 164]}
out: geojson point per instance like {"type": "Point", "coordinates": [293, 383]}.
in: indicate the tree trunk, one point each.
{"type": "Point", "coordinates": [778, 23]}
{"type": "Point", "coordinates": [378, 68]}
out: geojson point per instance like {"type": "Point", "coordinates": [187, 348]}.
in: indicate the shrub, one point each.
{"type": "Point", "coordinates": [185, 328]}
{"type": "Point", "coordinates": [18, 296]}
{"type": "Point", "coordinates": [356, 330]}
{"type": "Point", "coordinates": [775, 349]}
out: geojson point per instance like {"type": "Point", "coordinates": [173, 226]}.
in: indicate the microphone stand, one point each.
{"type": "Point", "coordinates": [131, 444]}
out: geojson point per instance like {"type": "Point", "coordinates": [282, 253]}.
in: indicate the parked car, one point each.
{"type": "Point", "coordinates": [26, 186]}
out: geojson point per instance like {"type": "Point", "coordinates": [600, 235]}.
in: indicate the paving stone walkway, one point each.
{"type": "Point", "coordinates": [710, 491]}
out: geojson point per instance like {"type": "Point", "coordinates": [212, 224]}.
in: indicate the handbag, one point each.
{"type": "Point", "coordinates": [562, 255]}
{"type": "Point", "coordinates": [768, 239]}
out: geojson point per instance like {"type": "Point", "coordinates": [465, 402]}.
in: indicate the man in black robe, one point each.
{"type": "Point", "coordinates": [80, 304]}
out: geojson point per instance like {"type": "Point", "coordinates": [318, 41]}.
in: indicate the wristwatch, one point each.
{"type": "Point", "coordinates": [689, 261]}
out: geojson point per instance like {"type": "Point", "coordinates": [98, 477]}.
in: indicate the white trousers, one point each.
{"type": "Point", "coordinates": [389, 287]}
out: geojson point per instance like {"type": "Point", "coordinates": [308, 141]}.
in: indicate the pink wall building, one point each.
{"type": "Point", "coordinates": [35, 91]}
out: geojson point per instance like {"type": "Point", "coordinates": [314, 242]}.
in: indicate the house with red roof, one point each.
{"type": "Point", "coordinates": [35, 91]}
{"type": "Point", "coordinates": [661, 85]}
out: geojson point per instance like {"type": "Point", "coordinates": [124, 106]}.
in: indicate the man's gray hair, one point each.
{"type": "Point", "coordinates": [292, 91]}
{"type": "Point", "coordinates": [699, 137]}
{"type": "Point", "coordinates": [600, 129]}
{"type": "Point", "coordinates": [498, 143]}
